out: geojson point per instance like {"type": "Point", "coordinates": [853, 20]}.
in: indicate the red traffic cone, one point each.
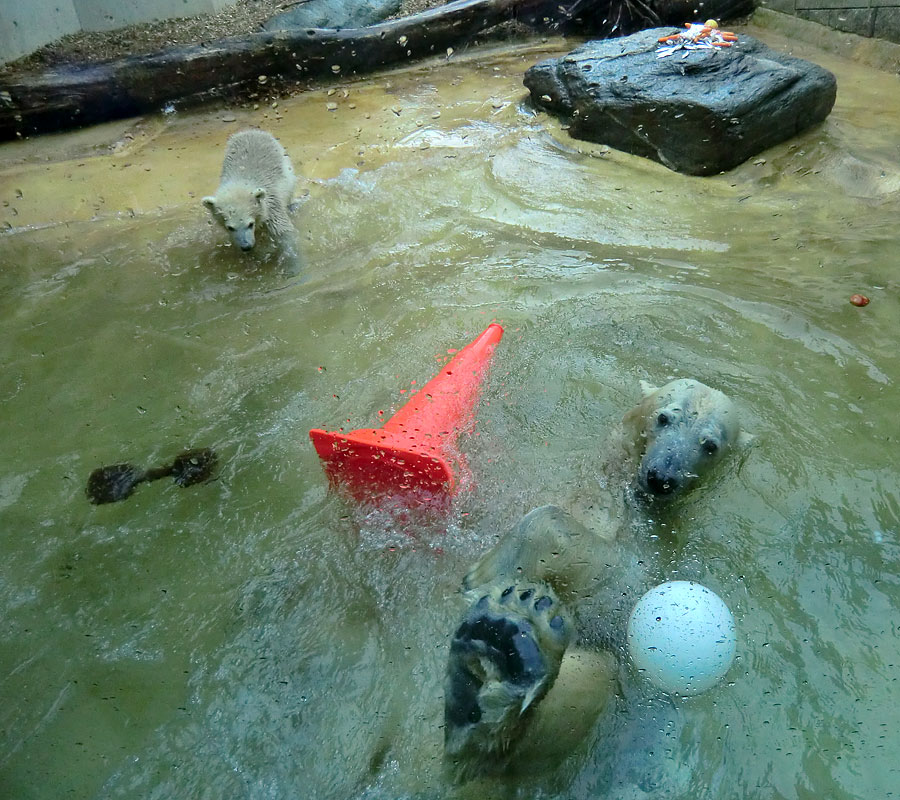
{"type": "Point", "coordinates": [415, 451]}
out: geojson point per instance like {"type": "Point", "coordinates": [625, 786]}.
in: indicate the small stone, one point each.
{"type": "Point", "coordinates": [263, 79]}
{"type": "Point", "coordinates": [331, 106]}
{"type": "Point", "coordinates": [229, 118]}
{"type": "Point", "coordinates": [335, 68]}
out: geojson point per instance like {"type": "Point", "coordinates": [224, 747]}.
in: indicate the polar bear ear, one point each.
{"type": "Point", "coordinates": [647, 389]}
{"type": "Point", "coordinates": [209, 202]}
{"type": "Point", "coordinates": [259, 193]}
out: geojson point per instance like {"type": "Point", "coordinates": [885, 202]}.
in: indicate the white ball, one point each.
{"type": "Point", "coordinates": [681, 636]}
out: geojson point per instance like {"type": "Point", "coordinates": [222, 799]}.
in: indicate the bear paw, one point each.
{"type": "Point", "coordinates": [503, 659]}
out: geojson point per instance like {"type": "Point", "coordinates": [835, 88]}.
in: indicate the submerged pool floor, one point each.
{"type": "Point", "coordinates": [258, 637]}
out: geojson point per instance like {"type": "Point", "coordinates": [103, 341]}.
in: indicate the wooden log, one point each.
{"type": "Point", "coordinates": [75, 96]}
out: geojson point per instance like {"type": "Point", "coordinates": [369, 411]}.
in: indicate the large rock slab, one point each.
{"type": "Point", "coordinates": [702, 114]}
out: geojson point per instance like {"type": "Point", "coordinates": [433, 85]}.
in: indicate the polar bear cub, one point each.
{"type": "Point", "coordinates": [256, 189]}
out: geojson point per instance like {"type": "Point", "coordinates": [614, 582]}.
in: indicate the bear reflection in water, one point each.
{"type": "Point", "coordinates": [532, 664]}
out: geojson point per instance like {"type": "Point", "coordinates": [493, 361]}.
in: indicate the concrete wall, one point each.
{"type": "Point", "coordinates": [104, 15]}
{"type": "Point", "coordinates": [872, 18]}
{"type": "Point", "coordinates": [25, 25]}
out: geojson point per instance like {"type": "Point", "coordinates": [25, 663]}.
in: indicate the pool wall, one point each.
{"type": "Point", "coordinates": [878, 19]}
{"type": "Point", "coordinates": [24, 27]}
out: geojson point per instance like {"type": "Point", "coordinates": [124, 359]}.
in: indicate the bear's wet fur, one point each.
{"type": "Point", "coordinates": [256, 191]}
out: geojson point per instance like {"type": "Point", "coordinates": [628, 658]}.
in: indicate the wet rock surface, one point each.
{"type": "Point", "coordinates": [334, 14]}
{"type": "Point", "coordinates": [700, 114]}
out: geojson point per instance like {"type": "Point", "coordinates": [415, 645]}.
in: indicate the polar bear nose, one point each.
{"type": "Point", "coordinates": [661, 484]}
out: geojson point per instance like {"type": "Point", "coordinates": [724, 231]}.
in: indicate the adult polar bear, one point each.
{"type": "Point", "coordinates": [514, 688]}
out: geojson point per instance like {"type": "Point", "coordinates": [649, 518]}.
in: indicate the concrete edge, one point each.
{"type": "Point", "coordinates": [876, 53]}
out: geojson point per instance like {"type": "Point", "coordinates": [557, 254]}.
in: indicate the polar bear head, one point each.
{"type": "Point", "coordinates": [683, 430]}
{"type": "Point", "coordinates": [239, 210]}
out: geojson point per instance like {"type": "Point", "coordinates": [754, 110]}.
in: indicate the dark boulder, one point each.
{"type": "Point", "coordinates": [701, 114]}
{"type": "Point", "coordinates": [333, 14]}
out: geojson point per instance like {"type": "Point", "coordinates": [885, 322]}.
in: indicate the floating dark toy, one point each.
{"type": "Point", "coordinates": [117, 481]}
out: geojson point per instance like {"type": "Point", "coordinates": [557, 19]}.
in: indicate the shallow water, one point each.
{"type": "Point", "coordinates": [258, 637]}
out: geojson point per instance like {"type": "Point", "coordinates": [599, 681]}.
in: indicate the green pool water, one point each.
{"type": "Point", "coordinates": [258, 636]}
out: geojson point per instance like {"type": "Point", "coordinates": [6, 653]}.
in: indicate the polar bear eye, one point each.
{"type": "Point", "coordinates": [710, 447]}
{"type": "Point", "coordinates": [662, 420]}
